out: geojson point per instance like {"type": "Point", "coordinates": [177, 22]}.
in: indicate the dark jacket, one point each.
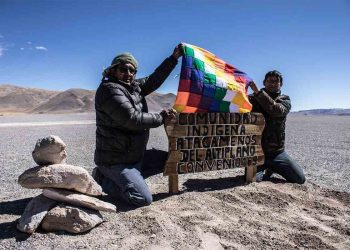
{"type": "Point", "coordinates": [274, 107]}
{"type": "Point", "coordinates": [122, 117]}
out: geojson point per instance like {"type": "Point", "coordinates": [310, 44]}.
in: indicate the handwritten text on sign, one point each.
{"type": "Point", "coordinates": [213, 141]}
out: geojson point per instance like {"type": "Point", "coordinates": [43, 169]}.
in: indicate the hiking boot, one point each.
{"type": "Point", "coordinates": [264, 175]}
{"type": "Point", "coordinates": [267, 175]}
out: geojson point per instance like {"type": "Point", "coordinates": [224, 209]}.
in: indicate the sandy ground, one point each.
{"type": "Point", "coordinates": [214, 210]}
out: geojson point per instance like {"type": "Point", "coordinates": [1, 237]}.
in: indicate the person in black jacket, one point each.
{"type": "Point", "coordinates": [275, 107]}
{"type": "Point", "coordinates": [123, 124]}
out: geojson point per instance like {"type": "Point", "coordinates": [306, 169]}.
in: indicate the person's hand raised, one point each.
{"type": "Point", "coordinates": [253, 87]}
{"type": "Point", "coordinates": [178, 51]}
{"type": "Point", "coordinates": [168, 114]}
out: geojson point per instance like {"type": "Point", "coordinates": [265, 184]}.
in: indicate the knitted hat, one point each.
{"type": "Point", "coordinates": [122, 58]}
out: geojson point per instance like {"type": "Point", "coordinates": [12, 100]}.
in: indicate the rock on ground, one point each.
{"type": "Point", "coordinates": [76, 199]}
{"type": "Point", "coordinates": [34, 213]}
{"type": "Point", "coordinates": [49, 150]}
{"type": "Point", "coordinates": [71, 219]}
{"type": "Point", "coordinates": [60, 176]}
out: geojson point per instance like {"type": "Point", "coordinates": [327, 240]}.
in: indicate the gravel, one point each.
{"type": "Point", "coordinates": [320, 144]}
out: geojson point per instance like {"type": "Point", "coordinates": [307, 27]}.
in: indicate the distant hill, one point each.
{"type": "Point", "coordinates": [71, 100]}
{"type": "Point", "coordinates": [324, 112]}
{"type": "Point", "coordinates": [157, 102]}
{"type": "Point", "coordinates": [31, 100]}
{"type": "Point", "coordinates": [19, 99]}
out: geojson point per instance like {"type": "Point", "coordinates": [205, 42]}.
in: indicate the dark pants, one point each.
{"type": "Point", "coordinates": [126, 181]}
{"type": "Point", "coordinates": [283, 165]}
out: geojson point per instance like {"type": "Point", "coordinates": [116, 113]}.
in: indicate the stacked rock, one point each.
{"type": "Point", "coordinates": [66, 202]}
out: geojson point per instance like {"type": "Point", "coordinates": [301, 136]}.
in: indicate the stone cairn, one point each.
{"type": "Point", "coordinates": [66, 202]}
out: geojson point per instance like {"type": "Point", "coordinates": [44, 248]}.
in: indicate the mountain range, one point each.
{"type": "Point", "coordinates": [340, 112]}
{"type": "Point", "coordinates": [15, 99]}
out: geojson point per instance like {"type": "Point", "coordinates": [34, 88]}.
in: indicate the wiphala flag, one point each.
{"type": "Point", "coordinates": [209, 84]}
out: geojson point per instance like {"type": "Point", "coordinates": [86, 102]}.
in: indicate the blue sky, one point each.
{"type": "Point", "coordinates": [65, 44]}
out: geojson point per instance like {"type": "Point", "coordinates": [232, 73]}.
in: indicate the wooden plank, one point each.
{"type": "Point", "coordinates": [173, 184]}
{"type": "Point", "coordinates": [260, 159]}
{"type": "Point", "coordinates": [219, 164]}
{"type": "Point", "coordinates": [184, 142]}
{"type": "Point", "coordinates": [211, 130]}
{"type": "Point", "coordinates": [170, 168]}
{"type": "Point", "coordinates": [184, 119]}
{"type": "Point", "coordinates": [199, 154]}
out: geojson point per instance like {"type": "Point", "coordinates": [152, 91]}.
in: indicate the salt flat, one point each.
{"type": "Point", "coordinates": [320, 144]}
{"type": "Point", "coordinates": [213, 207]}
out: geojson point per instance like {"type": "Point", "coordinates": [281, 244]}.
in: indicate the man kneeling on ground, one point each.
{"type": "Point", "coordinates": [275, 107]}
{"type": "Point", "coordinates": [123, 124]}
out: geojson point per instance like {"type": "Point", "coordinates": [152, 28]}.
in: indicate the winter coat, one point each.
{"type": "Point", "coordinates": [122, 117]}
{"type": "Point", "coordinates": [274, 107]}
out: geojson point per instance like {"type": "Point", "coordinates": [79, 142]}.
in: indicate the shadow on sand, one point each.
{"type": "Point", "coordinates": [14, 207]}
{"type": "Point", "coordinates": [204, 185]}
{"type": "Point", "coordinates": [154, 161]}
{"type": "Point", "coordinates": [8, 229]}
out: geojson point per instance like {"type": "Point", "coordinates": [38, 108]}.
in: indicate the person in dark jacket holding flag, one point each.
{"type": "Point", "coordinates": [123, 124]}
{"type": "Point", "coordinates": [275, 107]}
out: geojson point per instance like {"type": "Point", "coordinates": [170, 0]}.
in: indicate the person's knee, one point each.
{"type": "Point", "coordinates": [148, 199]}
{"type": "Point", "coordinates": [297, 178]}
{"type": "Point", "coordinates": [137, 198]}
{"type": "Point", "coordinates": [301, 179]}
{"type": "Point", "coordinates": [299, 174]}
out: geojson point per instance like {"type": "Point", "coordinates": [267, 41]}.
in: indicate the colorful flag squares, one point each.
{"type": "Point", "coordinates": [208, 84]}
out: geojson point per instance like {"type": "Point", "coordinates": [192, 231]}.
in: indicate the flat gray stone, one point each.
{"type": "Point", "coordinates": [77, 199]}
{"type": "Point", "coordinates": [34, 213]}
{"type": "Point", "coordinates": [60, 176]}
{"type": "Point", "coordinates": [49, 150]}
{"type": "Point", "coordinates": [71, 219]}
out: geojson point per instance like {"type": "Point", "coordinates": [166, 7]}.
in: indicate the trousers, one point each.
{"type": "Point", "coordinates": [124, 182]}
{"type": "Point", "coordinates": [283, 165]}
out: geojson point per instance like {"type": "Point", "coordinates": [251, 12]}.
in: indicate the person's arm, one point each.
{"type": "Point", "coordinates": [124, 115]}
{"type": "Point", "coordinates": [277, 108]}
{"type": "Point", "coordinates": [151, 83]}
{"type": "Point", "coordinates": [255, 105]}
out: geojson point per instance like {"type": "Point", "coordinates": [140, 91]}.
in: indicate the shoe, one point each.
{"type": "Point", "coordinates": [259, 176]}
{"type": "Point", "coordinates": [267, 175]}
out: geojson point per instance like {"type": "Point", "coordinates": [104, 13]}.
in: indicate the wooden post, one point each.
{"type": "Point", "coordinates": [250, 174]}
{"type": "Point", "coordinates": [173, 184]}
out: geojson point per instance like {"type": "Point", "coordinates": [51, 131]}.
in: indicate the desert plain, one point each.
{"type": "Point", "coordinates": [214, 210]}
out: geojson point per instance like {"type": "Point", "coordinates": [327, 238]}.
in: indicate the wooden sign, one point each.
{"type": "Point", "coordinates": [201, 142]}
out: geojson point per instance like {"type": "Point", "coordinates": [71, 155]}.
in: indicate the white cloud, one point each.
{"type": "Point", "coordinates": [21, 48]}
{"type": "Point", "coordinates": [41, 48]}
{"type": "Point", "coordinates": [29, 42]}
{"type": "Point", "coordinates": [2, 49]}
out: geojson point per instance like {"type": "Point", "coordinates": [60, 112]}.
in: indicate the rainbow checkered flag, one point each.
{"type": "Point", "coordinates": [208, 84]}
